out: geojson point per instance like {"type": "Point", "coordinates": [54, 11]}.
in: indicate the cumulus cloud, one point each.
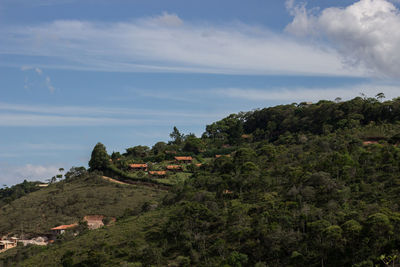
{"type": "Point", "coordinates": [364, 33]}
{"type": "Point", "coordinates": [11, 175]}
{"type": "Point", "coordinates": [166, 43]}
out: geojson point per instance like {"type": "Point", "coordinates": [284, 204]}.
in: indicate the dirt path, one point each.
{"type": "Point", "coordinates": [159, 187]}
{"type": "Point", "coordinates": [113, 180]}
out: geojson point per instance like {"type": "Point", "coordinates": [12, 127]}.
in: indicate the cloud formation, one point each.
{"type": "Point", "coordinates": [290, 95]}
{"type": "Point", "coordinates": [11, 175]}
{"type": "Point", "coordinates": [166, 43]}
{"type": "Point", "coordinates": [364, 33]}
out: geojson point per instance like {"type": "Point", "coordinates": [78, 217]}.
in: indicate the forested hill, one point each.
{"type": "Point", "coordinates": [320, 118]}
{"type": "Point", "coordinates": [293, 185]}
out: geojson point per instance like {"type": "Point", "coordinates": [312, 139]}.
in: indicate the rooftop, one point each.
{"type": "Point", "coordinates": [64, 227]}
{"type": "Point", "coordinates": [138, 165]}
{"type": "Point", "coordinates": [184, 158]}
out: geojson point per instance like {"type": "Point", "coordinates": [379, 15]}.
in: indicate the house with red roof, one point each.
{"type": "Point", "coordinates": [183, 159]}
{"type": "Point", "coordinates": [62, 228]}
{"type": "Point", "coordinates": [160, 174]}
{"type": "Point", "coordinates": [138, 166]}
{"type": "Point", "coordinates": [175, 168]}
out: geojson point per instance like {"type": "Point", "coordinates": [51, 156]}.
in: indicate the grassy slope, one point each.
{"type": "Point", "coordinates": [67, 202]}
{"type": "Point", "coordinates": [116, 244]}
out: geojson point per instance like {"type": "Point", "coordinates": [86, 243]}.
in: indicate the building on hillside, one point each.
{"type": "Point", "coordinates": [43, 185]}
{"type": "Point", "coordinates": [176, 168]}
{"type": "Point", "coordinates": [183, 159]}
{"type": "Point", "coordinates": [7, 244]}
{"type": "Point", "coordinates": [62, 228]}
{"type": "Point", "coordinates": [366, 143]}
{"type": "Point", "coordinates": [138, 166]}
{"type": "Point", "coordinates": [94, 221]}
{"type": "Point", "coordinates": [160, 174]}
{"type": "Point", "coordinates": [368, 140]}
{"type": "Point", "coordinates": [199, 164]}
{"type": "Point", "coordinates": [227, 192]}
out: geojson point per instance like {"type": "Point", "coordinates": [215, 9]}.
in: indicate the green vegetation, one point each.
{"type": "Point", "coordinates": [9, 194]}
{"type": "Point", "coordinates": [69, 200]}
{"type": "Point", "coordinates": [293, 185]}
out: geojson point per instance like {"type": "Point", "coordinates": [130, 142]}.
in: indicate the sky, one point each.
{"type": "Point", "coordinates": [125, 72]}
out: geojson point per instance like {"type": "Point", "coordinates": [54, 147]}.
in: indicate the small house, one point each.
{"type": "Point", "coordinates": [227, 192]}
{"type": "Point", "coordinates": [6, 244]}
{"type": "Point", "coordinates": [138, 166]}
{"type": "Point", "coordinates": [175, 168]}
{"type": "Point", "coordinates": [94, 221]}
{"type": "Point", "coordinates": [160, 174]}
{"type": "Point", "coordinates": [366, 143]}
{"type": "Point", "coordinates": [183, 159]}
{"type": "Point", "coordinates": [62, 228]}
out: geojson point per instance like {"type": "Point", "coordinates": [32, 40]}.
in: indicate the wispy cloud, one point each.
{"type": "Point", "coordinates": [289, 95]}
{"type": "Point", "coordinates": [166, 43]}
{"type": "Point", "coordinates": [46, 115]}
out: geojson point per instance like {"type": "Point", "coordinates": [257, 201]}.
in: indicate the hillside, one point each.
{"type": "Point", "coordinates": [293, 185]}
{"type": "Point", "coordinates": [68, 201]}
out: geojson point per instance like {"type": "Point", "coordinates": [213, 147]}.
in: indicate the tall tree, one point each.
{"type": "Point", "coordinates": [99, 159]}
{"type": "Point", "coordinates": [176, 136]}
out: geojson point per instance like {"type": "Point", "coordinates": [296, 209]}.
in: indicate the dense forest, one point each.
{"type": "Point", "coordinates": [292, 185]}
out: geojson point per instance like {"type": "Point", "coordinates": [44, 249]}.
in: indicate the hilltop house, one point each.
{"type": "Point", "coordinates": [94, 221]}
{"type": "Point", "coordinates": [138, 166]}
{"type": "Point", "coordinates": [175, 168]}
{"type": "Point", "coordinates": [160, 174]}
{"type": "Point", "coordinates": [183, 159]}
{"type": "Point", "coordinates": [62, 228]}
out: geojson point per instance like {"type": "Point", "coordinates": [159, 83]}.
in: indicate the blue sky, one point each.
{"type": "Point", "coordinates": [74, 73]}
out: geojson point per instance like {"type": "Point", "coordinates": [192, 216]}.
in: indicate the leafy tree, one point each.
{"type": "Point", "coordinates": [99, 160]}
{"type": "Point", "coordinates": [176, 136]}
{"type": "Point", "coordinates": [192, 144]}
{"type": "Point", "coordinates": [137, 151]}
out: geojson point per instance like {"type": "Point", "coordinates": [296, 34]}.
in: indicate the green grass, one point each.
{"type": "Point", "coordinates": [116, 245]}
{"type": "Point", "coordinates": [67, 202]}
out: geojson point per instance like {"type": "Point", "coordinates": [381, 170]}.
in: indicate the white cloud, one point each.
{"type": "Point", "coordinates": [167, 44]}
{"type": "Point", "coordinates": [364, 33]}
{"type": "Point", "coordinates": [290, 95]}
{"type": "Point", "coordinates": [11, 175]}
{"type": "Point", "coordinates": [166, 19]}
